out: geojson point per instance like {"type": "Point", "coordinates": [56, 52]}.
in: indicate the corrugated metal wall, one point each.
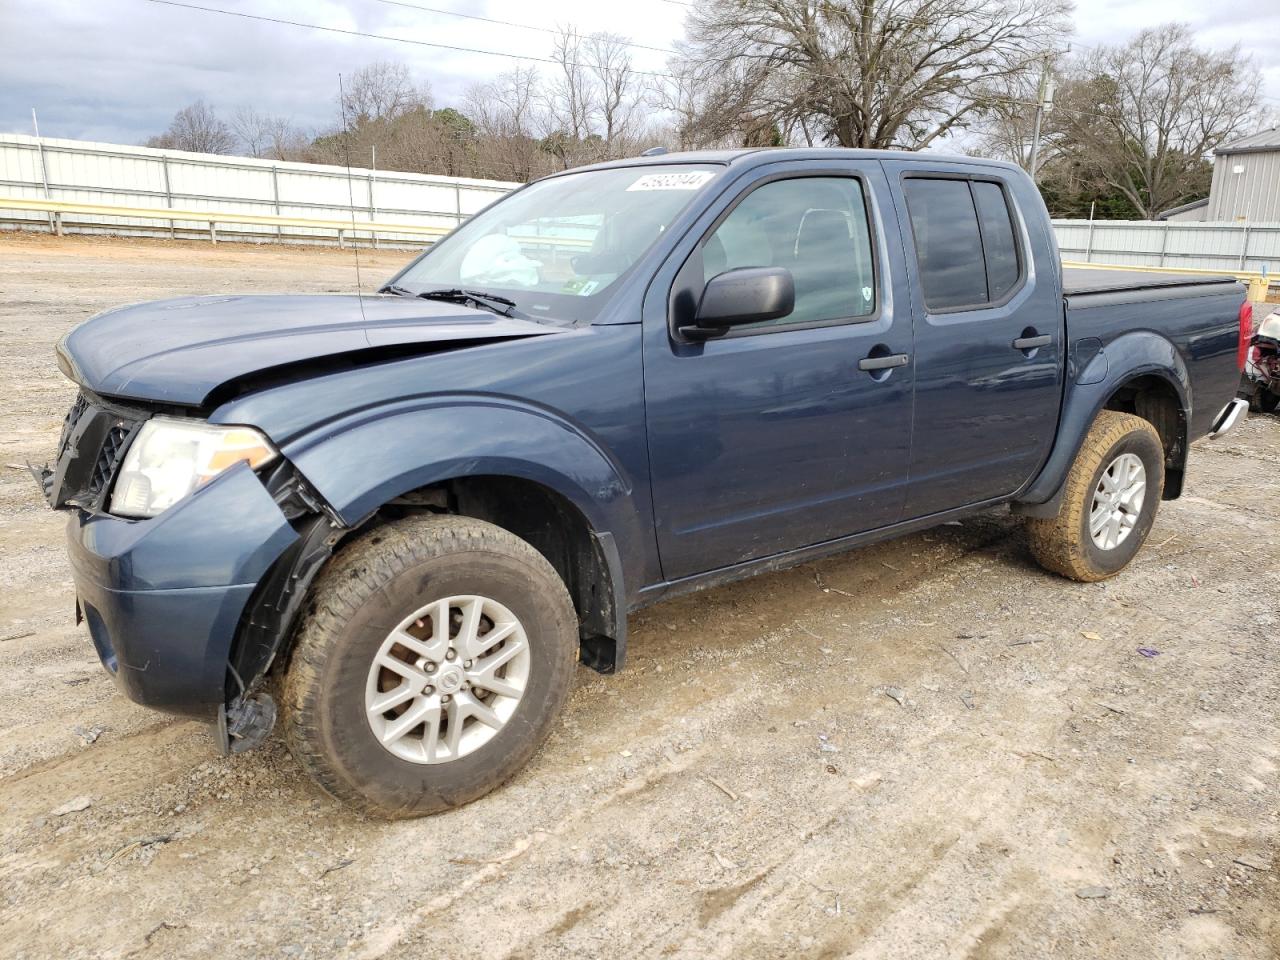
{"type": "Point", "coordinates": [1251, 194]}
{"type": "Point", "coordinates": [1202, 246]}
{"type": "Point", "coordinates": [141, 177]}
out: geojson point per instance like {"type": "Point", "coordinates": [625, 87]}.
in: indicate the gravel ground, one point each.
{"type": "Point", "coordinates": [927, 748]}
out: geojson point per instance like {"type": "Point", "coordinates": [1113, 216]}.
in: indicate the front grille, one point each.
{"type": "Point", "coordinates": [94, 438]}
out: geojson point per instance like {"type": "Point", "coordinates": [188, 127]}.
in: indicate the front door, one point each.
{"type": "Point", "coordinates": [988, 345]}
{"type": "Point", "coordinates": [771, 437]}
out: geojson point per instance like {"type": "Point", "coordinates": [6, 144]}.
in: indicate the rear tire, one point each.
{"type": "Point", "coordinates": [1268, 401]}
{"type": "Point", "coordinates": [377, 624]}
{"type": "Point", "coordinates": [1102, 522]}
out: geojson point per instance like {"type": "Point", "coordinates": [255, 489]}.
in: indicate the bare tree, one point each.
{"type": "Point", "coordinates": [382, 91]}
{"type": "Point", "coordinates": [619, 98]}
{"type": "Point", "coordinates": [568, 100]}
{"type": "Point", "coordinates": [267, 136]}
{"type": "Point", "coordinates": [506, 114]}
{"type": "Point", "coordinates": [1144, 116]}
{"type": "Point", "coordinates": [863, 73]}
{"type": "Point", "coordinates": [196, 128]}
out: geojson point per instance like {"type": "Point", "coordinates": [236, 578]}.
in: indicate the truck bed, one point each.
{"type": "Point", "coordinates": [1080, 280]}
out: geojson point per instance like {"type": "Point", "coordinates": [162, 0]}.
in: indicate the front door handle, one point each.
{"type": "Point", "coordinates": [1031, 343]}
{"type": "Point", "coordinates": [884, 363]}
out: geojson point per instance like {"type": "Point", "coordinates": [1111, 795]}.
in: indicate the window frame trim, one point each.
{"type": "Point", "coordinates": [877, 273]}
{"type": "Point", "coordinates": [1015, 223]}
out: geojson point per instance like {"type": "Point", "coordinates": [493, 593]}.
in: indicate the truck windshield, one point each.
{"type": "Point", "coordinates": [558, 246]}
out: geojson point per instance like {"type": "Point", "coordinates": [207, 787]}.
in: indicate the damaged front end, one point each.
{"type": "Point", "coordinates": [249, 712]}
{"type": "Point", "coordinates": [188, 608]}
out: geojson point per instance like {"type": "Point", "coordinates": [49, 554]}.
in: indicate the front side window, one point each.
{"type": "Point", "coordinates": [965, 243]}
{"type": "Point", "coordinates": [817, 228]}
{"type": "Point", "coordinates": [558, 245]}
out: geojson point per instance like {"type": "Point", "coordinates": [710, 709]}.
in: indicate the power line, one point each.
{"type": "Point", "coordinates": [481, 51]}
{"type": "Point", "coordinates": [510, 23]}
{"type": "Point", "coordinates": [378, 36]}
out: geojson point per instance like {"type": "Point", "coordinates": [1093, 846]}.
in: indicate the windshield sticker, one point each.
{"type": "Point", "coordinates": [689, 180]}
{"type": "Point", "coordinates": [581, 287]}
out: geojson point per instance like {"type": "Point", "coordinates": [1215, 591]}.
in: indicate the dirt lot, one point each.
{"type": "Point", "coordinates": [928, 748]}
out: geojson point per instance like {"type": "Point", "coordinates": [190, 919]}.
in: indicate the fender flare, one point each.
{"type": "Point", "coordinates": [1123, 360]}
{"type": "Point", "coordinates": [365, 460]}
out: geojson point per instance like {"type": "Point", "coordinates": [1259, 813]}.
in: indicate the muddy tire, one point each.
{"type": "Point", "coordinates": [1112, 492]}
{"type": "Point", "coordinates": [433, 657]}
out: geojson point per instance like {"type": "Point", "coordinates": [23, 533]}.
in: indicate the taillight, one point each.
{"type": "Point", "coordinates": [1246, 334]}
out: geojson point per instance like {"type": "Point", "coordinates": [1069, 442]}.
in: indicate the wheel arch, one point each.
{"type": "Point", "coordinates": [517, 466]}
{"type": "Point", "coordinates": [585, 557]}
{"type": "Point", "coordinates": [1140, 373]}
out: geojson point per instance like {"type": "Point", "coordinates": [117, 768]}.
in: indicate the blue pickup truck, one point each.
{"type": "Point", "coordinates": [401, 519]}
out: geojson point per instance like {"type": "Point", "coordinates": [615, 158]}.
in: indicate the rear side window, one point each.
{"type": "Point", "coordinates": [966, 247]}
{"type": "Point", "coordinates": [998, 244]}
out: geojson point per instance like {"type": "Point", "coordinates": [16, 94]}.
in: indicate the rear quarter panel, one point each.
{"type": "Point", "coordinates": [1200, 323]}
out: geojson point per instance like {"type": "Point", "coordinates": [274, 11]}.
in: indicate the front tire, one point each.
{"type": "Point", "coordinates": [430, 664]}
{"type": "Point", "coordinates": [1112, 492]}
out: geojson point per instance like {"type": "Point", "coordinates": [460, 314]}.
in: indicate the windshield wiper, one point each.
{"type": "Point", "coordinates": [490, 301]}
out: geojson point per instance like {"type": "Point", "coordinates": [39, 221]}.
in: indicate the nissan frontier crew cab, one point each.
{"type": "Point", "coordinates": [402, 519]}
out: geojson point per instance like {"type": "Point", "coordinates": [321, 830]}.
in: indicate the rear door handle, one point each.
{"type": "Point", "coordinates": [1031, 343]}
{"type": "Point", "coordinates": [883, 363]}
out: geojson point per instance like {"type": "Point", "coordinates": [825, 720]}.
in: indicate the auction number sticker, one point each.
{"type": "Point", "coordinates": [689, 180]}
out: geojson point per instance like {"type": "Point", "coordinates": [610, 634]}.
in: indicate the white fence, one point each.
{"type": "Point", "coordinates": [80, 171]}
{"type": "Point", "coordinates": [1201, 246]}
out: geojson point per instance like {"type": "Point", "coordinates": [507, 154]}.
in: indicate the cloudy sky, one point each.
{"type": "Point", "coordinates": [116, 70]}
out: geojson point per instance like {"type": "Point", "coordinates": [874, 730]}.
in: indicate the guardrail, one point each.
{"type": "Point", "coordinates": [1259, 283]}
{"type": "Point", "coordinates": [212, 218]}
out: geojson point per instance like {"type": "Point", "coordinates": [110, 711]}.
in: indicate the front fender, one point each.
{"type": "Point", "coordinates": [1128, 357]}
{"type": "Point", "coordinates": [362, 461]}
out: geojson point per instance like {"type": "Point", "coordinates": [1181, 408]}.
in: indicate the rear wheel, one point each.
{"type": "Point", "coordinates": [1268, 401]}
{"type": "Point", "coordinates": [430, 666]}
{"type": "Point", "coordinates": [1112, 492]}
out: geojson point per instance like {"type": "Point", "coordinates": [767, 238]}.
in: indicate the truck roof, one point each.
{"type": "Point", "coordinates": [754, 156]}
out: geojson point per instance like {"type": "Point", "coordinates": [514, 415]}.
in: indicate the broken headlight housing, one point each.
{"type": "Point", "coordinates": [172, 457]}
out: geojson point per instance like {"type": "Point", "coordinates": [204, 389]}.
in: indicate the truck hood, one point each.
{"type": "Point", "coordinates": [180, 351]}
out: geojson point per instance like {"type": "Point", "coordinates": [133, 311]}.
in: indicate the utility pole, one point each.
{"type": "Point", "coordinates": [1044, 107]}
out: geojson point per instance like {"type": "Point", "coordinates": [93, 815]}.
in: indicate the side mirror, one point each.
{"type": "Point", "coordinates": [745, 295]}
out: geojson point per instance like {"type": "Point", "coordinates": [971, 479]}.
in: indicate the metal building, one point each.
{"type": "Point", "coordinates": [1246, 179]}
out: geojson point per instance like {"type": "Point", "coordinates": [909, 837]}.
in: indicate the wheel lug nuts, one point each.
{"type": "Point", "coordinates": [450, 655]}
{"type": "Point", "coordinates": [467, 664]}
{"type": "Point", "coordinates": [446, 698]}
{"type": "Point", "coordinates": [431, 668]}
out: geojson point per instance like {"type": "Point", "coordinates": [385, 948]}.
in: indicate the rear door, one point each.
{"type": "Point", "coordinates": [771, 437]}
{"type": "Point", "coordinates": [989, 333]}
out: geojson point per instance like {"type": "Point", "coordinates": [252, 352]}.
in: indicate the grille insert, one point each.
{"type": "Point", "coordinates": [108, 459]}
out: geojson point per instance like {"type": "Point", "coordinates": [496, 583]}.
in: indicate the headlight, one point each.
{"type": "Point", "coordinates": [171, 457]}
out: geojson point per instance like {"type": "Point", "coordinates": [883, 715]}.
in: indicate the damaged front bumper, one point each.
{"type": "Point", "coordinates": [164, 598]}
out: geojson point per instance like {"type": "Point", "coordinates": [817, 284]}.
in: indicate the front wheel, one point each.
{"type": "Point", "coordinates": [433, 658]}
{"type": "Point", "coordinates": [1112, 492]}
